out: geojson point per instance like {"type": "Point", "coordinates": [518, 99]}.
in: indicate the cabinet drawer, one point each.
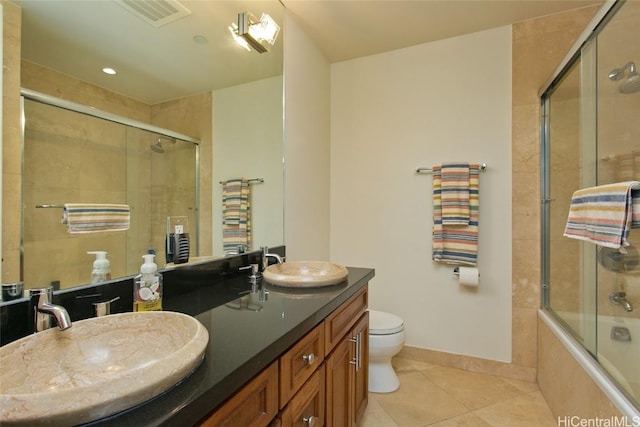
{"type": "Point", "coordinates": [307, 406]}
{"type": "Point", "coordinates": [299, 363]}
{"type": "Point", "coordinates": [255, 405]}
{"type": "Point", "coordinates": [338, 323]}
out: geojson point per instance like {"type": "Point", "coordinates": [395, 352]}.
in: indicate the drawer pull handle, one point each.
{"type": "Point", "coordinates": [309, 358]}
{"type": "Point", "coordinates": [309, 420]}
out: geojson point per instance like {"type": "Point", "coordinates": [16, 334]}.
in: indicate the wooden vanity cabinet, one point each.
{"type": "Point", "coordinates": [322, 380]}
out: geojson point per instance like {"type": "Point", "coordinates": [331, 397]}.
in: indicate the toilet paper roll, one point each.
{"type": "Point", "coordinates": [468, 276]}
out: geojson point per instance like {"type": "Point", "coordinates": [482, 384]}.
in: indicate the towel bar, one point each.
{"type": "Point", "coordinates": [260, 180]}
{"type": "Point", "coordinates": [483, 166]}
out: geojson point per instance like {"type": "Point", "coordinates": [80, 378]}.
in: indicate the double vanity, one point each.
{"type": "Point", "coordinates": [276, 357]}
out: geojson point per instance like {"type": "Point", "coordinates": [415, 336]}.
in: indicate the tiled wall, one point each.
{"type": "Point", "coordinates": [11, 155]}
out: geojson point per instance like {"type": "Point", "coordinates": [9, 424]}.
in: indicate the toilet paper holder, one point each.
{"type": "Point", "coordinates": [456, 272]}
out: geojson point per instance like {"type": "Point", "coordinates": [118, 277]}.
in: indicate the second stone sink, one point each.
{"type": "Point", "coordinates": [98, 367]}
{"type": "Point", "coordinates": [305, 274]}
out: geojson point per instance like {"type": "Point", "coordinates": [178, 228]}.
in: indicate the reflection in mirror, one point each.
{"type": "Point", "coordinates": [70, 157]}
{"type": "Point", "coordinates": [184, 76]}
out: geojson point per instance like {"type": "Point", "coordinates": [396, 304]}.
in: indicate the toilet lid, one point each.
{"type": "Point", "coordinates": [381, 323]}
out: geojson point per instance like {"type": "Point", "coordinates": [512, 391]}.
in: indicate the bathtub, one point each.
{"type": "Point", "coordinates": [618, 373]}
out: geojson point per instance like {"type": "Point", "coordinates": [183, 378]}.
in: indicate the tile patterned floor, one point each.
{"type": "Point", "coordinates": [432, 395]}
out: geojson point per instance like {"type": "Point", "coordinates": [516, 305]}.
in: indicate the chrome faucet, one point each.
{"type": "Point", "coordinates": [620, 299]}
{"type": "Point", "coordinates": [266, 255]}
{"type": "Point", "coordinates": [42, 308]}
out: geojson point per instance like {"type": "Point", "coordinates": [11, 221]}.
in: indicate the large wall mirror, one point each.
{"type": "Point", "coordinates": [182, 72]}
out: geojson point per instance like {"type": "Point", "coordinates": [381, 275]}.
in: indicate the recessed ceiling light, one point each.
{"type": "Point", "coordinates": [200, 39]}
{"type": "Point", "coordinates": [108, 70]}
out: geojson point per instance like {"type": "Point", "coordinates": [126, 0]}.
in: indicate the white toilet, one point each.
{"type": "Point", "coordinates": [386, 338]}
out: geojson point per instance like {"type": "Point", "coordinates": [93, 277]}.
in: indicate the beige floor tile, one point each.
{"type": "Point", "coordinates": [375, 416]}
{"type": "Point", "coordinates": [466, 420]}
{"type": "Point", "coordinates": [528, 410]}
{"type": "Point", "coordinates": [472, 389]}
{"type": "Point", "coordinates": [418, 402]}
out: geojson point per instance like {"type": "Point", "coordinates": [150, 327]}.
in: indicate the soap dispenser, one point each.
{"type": "Point", "coordinates": [101, 268]}
{"type": "Point", "coordinates": [147, 286]}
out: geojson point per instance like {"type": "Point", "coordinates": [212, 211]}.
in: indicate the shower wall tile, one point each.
{"type": "Point", "coordinates": [526, 154]}
{"type": "Point", "coordinates": [524, 336]}
{"type": "Point", "coordinates": [11, 157]}
{"type": "Point", "coordinates": [567, 388]}
{"type": "Point", "coordinates": [538, 46]}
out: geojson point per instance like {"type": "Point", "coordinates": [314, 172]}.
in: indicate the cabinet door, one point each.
{"type": "Point", "coordinates": [255, 405]}
{"type": "Point", "coordinates": [361, 374]}
{"type": "Point", "coordinates": [348, 376]}
{"type": "Point", "coordinates": [306, 408]}
{"type": "Point", "coordinates": [339, 379]}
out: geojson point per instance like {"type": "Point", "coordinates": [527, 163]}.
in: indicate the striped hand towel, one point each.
{"type": "Point", "coordinates": [236, 214]}
{"type": "Point", "coordinates": [456, 244]}
{"type": "Point", "coordinates": [92, 217]}
{"type": "Point", "coordinates": [605, 214]}
{"type": "Point", "coordinates": [454, 194]}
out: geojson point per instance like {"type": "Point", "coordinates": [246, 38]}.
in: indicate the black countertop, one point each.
{"type": "Point", "coordinates": [245, 336]}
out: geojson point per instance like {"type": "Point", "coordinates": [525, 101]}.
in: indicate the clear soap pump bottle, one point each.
{"type": "Point", "coordinates": [101, 268]}
{"type": "Point", "coordinates": [147, 286]}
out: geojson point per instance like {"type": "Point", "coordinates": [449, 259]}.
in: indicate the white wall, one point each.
{"type": "Point", "coordinates": [444, 101]}
{"type": "Point", "coordinates": [307, 99]}
{"type": "Point", "coordinates": [247, 139]}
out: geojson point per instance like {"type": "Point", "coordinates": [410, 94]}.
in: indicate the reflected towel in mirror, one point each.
{"type": "Point", "coordinates": [92, 217]}
{"type": "Point", "coordinates": [236, 214]}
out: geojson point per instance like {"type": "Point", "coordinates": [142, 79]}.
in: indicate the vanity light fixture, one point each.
{"type": "Point", "coordinates": [251, 33]}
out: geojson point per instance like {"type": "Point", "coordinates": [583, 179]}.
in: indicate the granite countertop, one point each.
{"type": "Point", "coordinates": [245, 336]}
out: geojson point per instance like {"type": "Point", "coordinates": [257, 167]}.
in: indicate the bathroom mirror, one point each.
{"type": "Point", "coordinates": [159, 66]}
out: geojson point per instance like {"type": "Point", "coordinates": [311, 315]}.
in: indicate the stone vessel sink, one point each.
{"type": "Point", "coordinates": [305, 274]}
{"type": "Point", "coordinates": [98, 367]}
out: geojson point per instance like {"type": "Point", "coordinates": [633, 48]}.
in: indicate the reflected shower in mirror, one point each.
{"type": "Point", "coordinates": [70, 157]}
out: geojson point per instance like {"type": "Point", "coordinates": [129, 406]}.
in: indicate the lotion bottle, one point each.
{"type": "Point", "coordinates": [147, 286]}
{"type": "Point", "coordinates": [101, 268]}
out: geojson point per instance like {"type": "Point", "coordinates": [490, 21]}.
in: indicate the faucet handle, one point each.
{"type": "Point", "coordinates": [255, 268]}
{"type": "Point", "coordinates": [104, 308]}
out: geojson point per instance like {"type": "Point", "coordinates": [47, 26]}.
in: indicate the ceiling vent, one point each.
{"type": "Point", "coordinates": [155, 12]}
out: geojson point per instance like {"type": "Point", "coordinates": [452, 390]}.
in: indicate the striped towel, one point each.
{"type": "Point", "coordinates": [455, 193]}
{"type": "Point", "coordinates": [605, 214]}
{"type": "Point", "coordinates": [92, 217]}
{"type": "Point", "coordinates": [456, 244]}
{"type": "Point", "coordinates": [236, 215]}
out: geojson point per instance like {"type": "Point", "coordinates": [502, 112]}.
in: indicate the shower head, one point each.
{"type": "Point", "coordinates": [632, 83]}
{"type": "Point", "coordinates": [618, 73]}
{"type": "Point", "coordinates": [157, 147]}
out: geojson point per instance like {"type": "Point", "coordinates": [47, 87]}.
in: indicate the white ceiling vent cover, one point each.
{"type": "Point", "coordinates": [155, 12]}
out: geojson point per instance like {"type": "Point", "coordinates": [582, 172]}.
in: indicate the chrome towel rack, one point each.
{"type": "Point", "coordinates": [260, 180]}
{"type": "Point", "coordinates": [483, 167]}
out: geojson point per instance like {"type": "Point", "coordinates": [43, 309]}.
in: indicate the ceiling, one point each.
{"type": "Point", "coordinates": [159, 64]}
{"type": "Point", "coordinates": [350, 29]}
